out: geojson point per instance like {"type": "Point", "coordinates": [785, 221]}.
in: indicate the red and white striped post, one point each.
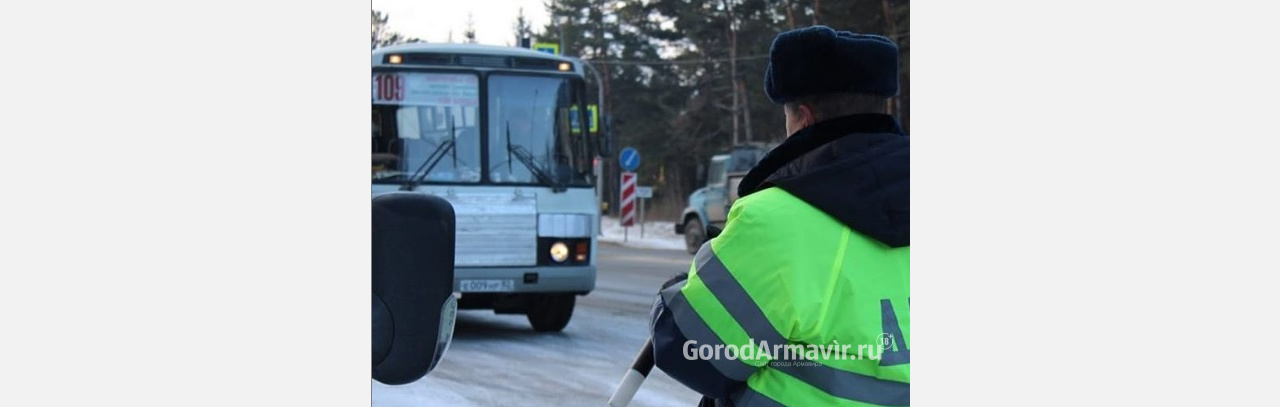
{"type": "Point", "coordinates": [628, 215]}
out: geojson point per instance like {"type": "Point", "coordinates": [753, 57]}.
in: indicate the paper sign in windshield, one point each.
{"type": "Point", "coordinates": [425, 89]}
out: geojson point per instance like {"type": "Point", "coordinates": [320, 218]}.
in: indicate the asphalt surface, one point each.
{"type": "Point", "coordinates": [497, 360]}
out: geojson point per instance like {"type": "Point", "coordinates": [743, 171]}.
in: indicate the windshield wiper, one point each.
{"type": "Point", "coordinates": [433, 159]}
{"type": "Point", "coordinates": [385, 175]}
{"type": "Point", "coordinates": [526, 158]}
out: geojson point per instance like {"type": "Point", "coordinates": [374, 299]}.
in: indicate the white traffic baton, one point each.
{"type": "Point", "coordinates": [631, 382]}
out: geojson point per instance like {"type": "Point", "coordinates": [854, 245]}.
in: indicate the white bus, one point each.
{"type": "Point", "coordinates": [501, 133]}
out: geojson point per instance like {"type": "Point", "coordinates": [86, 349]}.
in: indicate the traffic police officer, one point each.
{"type": "Point", "coordinates": [815, 256]}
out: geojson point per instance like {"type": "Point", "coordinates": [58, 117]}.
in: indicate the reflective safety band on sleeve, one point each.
{"type": "Point", "coordinates": [734, 298]}
{"type": "Point", "coordinates": [849, 385]}
{"type": "Point", "coordinates": [694, 328]}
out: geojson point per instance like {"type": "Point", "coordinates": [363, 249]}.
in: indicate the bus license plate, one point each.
{"type": "Point", "coordinates": [486, 285]}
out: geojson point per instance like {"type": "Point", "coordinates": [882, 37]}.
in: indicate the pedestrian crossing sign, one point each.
{"type": "Point", "coordinates": [553, 49]}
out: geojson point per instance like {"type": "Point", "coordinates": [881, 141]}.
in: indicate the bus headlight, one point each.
{"type": "Point", "coordinates": [559, 252]}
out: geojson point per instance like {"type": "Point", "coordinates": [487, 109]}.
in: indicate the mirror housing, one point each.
{"type": "Point", "coordinates": [413, 303]}
{"type": "Point", "coordinates": [606, 138]}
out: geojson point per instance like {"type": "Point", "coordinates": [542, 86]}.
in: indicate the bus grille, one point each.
{"type": "Point", "coordinates": [495, 229]}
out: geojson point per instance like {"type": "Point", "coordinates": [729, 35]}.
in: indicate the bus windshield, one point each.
{"type": "Point", "coordinates": [418, 115]}
{"type": "Point", "coordinates": [536, 131]}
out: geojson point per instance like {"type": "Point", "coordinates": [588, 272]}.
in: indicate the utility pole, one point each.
{"type": "Point", "coordinates": [733, 73]}
{"type": "Point", "coordinates": [614, 182]}
{"type": "Point", "coordinates": [733, 65]}
{"type": "Point", "coordinates": [791, 18]}
{"type": "Point", "coordinates": [601, 180]}
{"type": "Point", "coordinates": [746, 109]}
{"type": "Point", "coordinates": [894, 102]}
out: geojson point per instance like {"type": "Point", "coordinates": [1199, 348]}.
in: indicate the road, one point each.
{"type": "Point", "coordinates": [497, 360]}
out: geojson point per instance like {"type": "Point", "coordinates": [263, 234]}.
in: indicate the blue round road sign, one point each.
{"type": "Point", "coordinates": [630, 159]}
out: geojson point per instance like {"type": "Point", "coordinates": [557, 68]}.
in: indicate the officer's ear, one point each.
{"type": "Point", "coordinates": [798, 116]}
{"type": "Point", "coordinates": [807, 118]}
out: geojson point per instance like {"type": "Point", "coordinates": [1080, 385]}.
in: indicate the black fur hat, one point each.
{"type": "Point", "coordinates": [818, 60]}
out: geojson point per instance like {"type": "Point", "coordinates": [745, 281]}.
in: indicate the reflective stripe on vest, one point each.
{"type": "Point", "coordinates": [726, 290]}
{"type": "Point", "coordinates": [694, 328]}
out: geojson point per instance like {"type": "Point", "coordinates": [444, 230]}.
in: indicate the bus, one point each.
{"type": "Point", "coordinates": [502, 134]}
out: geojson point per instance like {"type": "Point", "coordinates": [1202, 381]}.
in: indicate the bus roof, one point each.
{"type": "Point", "coordinates": [470, 49]}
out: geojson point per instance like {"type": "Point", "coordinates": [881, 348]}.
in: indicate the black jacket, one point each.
{"type": "Point", "coordinates": [855, 168]}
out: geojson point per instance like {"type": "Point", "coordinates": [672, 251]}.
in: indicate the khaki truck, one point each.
{"type": "Point", "coordinates": [708, 206]}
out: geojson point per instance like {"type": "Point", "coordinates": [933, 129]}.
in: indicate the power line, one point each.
{"type": "Point", "coordinates": [671, 62]}
{"type": "Point", "coordinates": [694, 61]}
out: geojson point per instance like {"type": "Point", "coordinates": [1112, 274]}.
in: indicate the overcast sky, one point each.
{"type": "Point", "coordinates": [432, 20]}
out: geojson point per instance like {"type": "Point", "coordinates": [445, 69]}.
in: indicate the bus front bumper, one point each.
{"type": "Point", "coordinates": [567, 279]}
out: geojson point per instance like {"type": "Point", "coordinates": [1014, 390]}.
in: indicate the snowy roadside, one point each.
{"type": "Point", "coordinates": [657, 235]}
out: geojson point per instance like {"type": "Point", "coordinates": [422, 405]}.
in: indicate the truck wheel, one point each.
{"type": "Point", "coordinates": [550, 312]}
{"type": "Point", "coordinates": [694, 235]}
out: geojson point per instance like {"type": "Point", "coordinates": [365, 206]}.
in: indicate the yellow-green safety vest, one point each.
{"type": "Point", "coordinates": [817, 313]}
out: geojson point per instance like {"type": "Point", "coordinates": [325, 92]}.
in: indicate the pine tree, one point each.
{"type": "Point", "coordinates": [381, 35]}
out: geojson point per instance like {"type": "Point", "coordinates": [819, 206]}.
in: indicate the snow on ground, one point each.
{"type": "Point", "coordinates": [658, 234]}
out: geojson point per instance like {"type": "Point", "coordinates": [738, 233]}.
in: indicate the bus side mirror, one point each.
{"type": "Point", "coordinates": [413, 303]}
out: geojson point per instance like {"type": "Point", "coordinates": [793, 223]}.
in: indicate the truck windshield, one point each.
{"type": "Point", "coordinates": [415, 114]}
{"type": "Point", "coordinates": [716, 174]}
{"type": "Point", "coordinates": [536, 134]}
